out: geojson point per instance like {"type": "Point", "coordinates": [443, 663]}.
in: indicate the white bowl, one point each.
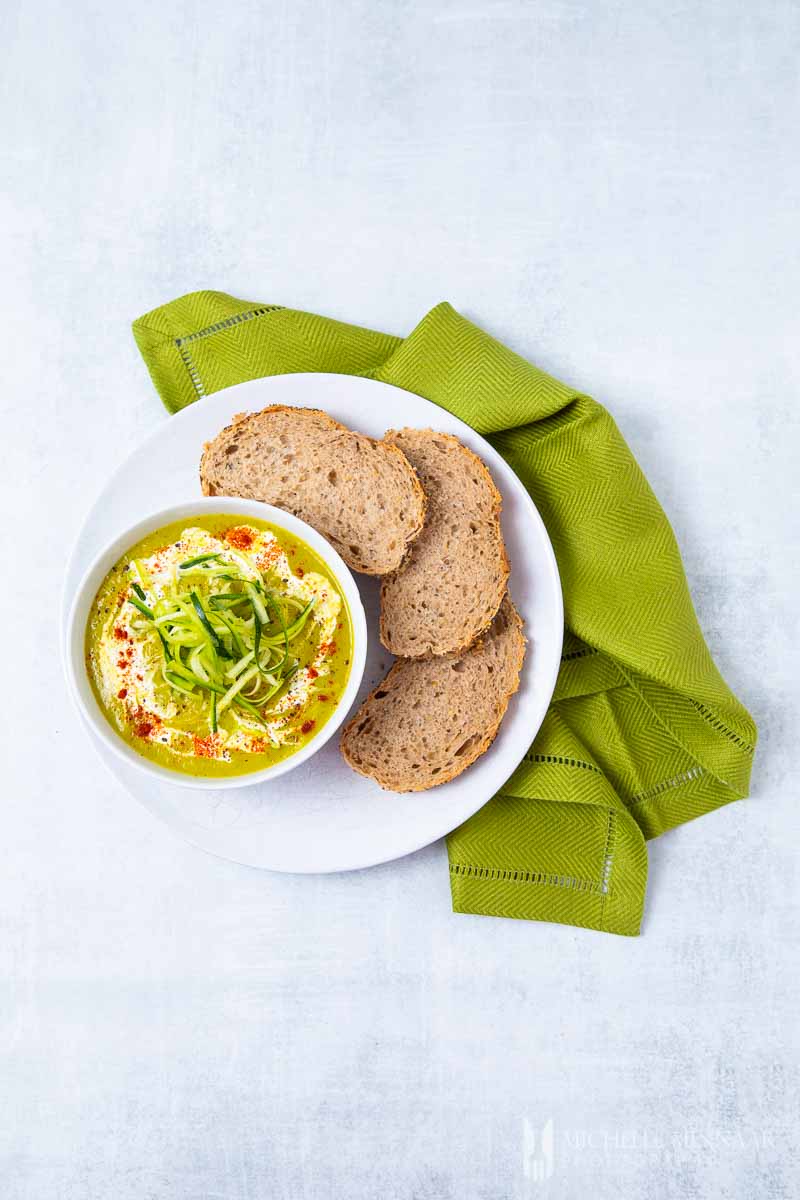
{"type": "Point", "coordinates": [75, 663]}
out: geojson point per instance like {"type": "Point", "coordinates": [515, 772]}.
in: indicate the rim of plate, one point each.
{"type": "Point", "coordinates": [246, 394]}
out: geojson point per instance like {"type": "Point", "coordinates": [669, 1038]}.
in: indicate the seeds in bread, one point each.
{"type": "Point", "coordinates": [361, 494]}
{"type": "Point", "coordinates": [431, 718]}
{"type": "Point", "coordinates": [450, 586]}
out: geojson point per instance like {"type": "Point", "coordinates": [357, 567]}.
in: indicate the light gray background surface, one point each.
{"type": "Point", "coordinates": [612, 189]}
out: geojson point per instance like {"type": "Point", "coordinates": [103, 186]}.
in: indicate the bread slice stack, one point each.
{"type": "Point", "coordinates": [446, 614]}
{"type": "Point", "coordinates": [421, 510]}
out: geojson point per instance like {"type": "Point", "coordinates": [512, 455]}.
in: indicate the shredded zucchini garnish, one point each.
{"type": "Point", "coordinates": [231, 645]}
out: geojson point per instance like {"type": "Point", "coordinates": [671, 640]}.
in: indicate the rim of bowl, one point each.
{"type": "Point", "coordinates": [80, 687]}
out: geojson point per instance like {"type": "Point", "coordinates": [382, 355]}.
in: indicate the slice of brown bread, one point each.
{"type": "Point", "coordinates": [449, 588]}
{"type": "Point", "coordinates": [361, 494]}
{"type": "Point", "coordinates": [431, 718]}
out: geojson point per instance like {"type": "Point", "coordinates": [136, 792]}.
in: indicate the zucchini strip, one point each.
{"type": "Point", "coordinates": [236, 670]}
{"type": "Point", "coordinates": [193, 562]}
{"type": "Point", "coordinates": [143, 609]}
{"type": "Point", "coordinates": [179, 683]}
{"type": "Point", "coordinates": [236, 687]}
{"type": "Point", "coordinates": [237, 642]}
{"type": "Point", "coordinates": [295, 627]}
{"type": "Point", "coordinates": [251, 708]}
{"type": "Point", "coordinates": [216, 641]}
{"type": "Point", "coordinates": [259, 608]}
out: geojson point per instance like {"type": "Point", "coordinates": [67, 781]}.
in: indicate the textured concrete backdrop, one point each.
{"type": "Point", "coordinates": [611, 188]}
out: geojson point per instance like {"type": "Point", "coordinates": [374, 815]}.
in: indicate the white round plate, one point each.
{"type": "Point", "coordinates": [322, 816]}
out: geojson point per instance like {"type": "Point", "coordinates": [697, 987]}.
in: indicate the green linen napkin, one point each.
{"type": "Point", "coordinates": [643, 733]}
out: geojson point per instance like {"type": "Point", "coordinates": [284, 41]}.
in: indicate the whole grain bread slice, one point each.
{"type": "Point", "coordinates": [431, 718]}
{"type": "Point", "coordinates": [361, 494]}
{"type": "Point", "coordinates": [450, 586]}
